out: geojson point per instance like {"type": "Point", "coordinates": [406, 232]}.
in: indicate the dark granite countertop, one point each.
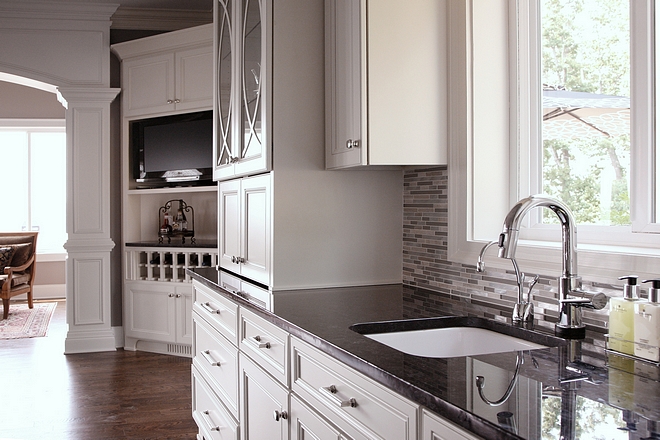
{"type": "Point", "coordinates": [573, 389]}
{"type": "Point", "coordinates": [176, 243]}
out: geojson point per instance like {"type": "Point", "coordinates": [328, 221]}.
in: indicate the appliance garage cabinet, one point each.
{"type": "Point", "coordinates": [165, 75]}
{"type": "Point", "coordinates": [386, 82]}
{"type": "Point", "coordinates": [252, 379]}
{"type": "Point", "coordinates": [286, 222]}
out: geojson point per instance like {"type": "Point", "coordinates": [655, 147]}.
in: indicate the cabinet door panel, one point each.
{"type": "Point", "coordinates": [194, 85]}
{"type": "Point", "coordinates": [229, 226]}
{"type": "Point", "coordinates": [343, 88]}
{"type": "Point", "coordinates": [184, 315]}
{"type": "Point", "coordinates": [149, 84]}
{"type": "Point", "coordinates": [255, 197]}
{"type": "Point", "coordinates": [306, 424]}
{"type": "Point", "coordinates": [261, 398]}
{"type": "Point", "coordinates": [150, 312]}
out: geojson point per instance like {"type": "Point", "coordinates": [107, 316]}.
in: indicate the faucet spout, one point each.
{"type": "Point", "coordinates": [569, 283]}
{"type": "Point", "coordinates": [509, 237]}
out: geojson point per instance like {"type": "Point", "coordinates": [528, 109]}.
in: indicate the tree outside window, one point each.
{"type": "Point", "coordinates": [586, 48]}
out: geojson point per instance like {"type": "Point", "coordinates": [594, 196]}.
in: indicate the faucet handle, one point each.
{"type": "Point", "coordinates": [588, 300]}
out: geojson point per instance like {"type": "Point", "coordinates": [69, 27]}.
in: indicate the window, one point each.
{"type": "Point", "coordinates": [499, 159]}
{"type": "Point", "coordinates": [34, 181]}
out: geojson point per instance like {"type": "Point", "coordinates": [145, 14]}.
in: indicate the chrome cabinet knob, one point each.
{"type": "Point", "coordinates": [280, 415]}
{"type": "Point", "coordinates": [350, 144]}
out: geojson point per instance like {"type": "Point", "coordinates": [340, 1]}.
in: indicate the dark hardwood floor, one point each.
{"type": "Point", "coordinates": [116, 395]}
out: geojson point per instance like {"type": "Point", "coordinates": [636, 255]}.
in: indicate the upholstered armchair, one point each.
{"type": "Point", "coordinates": [18, 256]}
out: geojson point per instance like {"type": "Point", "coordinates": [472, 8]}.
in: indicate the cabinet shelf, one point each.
{"type": "Point", "coordinates": [174, 190]}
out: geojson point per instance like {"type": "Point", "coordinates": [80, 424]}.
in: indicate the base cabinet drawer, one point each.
{"type": "Point", "coordinates": [217, 360]}
{"type": "Point", "coordinates": [219, 311]}
{"type": "Point", "coordinates": [265, 343]}
{"type": "Point", "coordinates": [366, 408]}
{"type": "Point", "coordinates": [435, 428]}
{"type": "Point", "coordinates": [214, 422]}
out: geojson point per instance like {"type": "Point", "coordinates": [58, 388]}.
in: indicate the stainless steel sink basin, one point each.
{"type": "Point", "coordinates": [454, 336]}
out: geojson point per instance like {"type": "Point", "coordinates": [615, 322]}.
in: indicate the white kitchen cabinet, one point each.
{"type": "Point", "coordinates": [158, 312]}
{"type": "Point", "coordinates": [386, 83]}
{"type": "Point", "coordinates": [244, 227]}
{"type": "Point", "coordinates": [166, 73]}
{"type": "Point", "coordinates": [264, 410]}
{"type": "Point", "coordinates": [436, 428]}
{"type": "Point", "coordinates": [287, 388]}
{"type": "Point", "coordinates": [243, 37]}
{"type": "Point", "coordinates": [326, 229]}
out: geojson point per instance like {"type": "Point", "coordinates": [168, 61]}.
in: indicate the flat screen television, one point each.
{"type": "Point", "coordinates": [173, 150]}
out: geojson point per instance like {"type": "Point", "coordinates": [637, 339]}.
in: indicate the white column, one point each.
{"type": "Point", "coordinates": [88, 219]}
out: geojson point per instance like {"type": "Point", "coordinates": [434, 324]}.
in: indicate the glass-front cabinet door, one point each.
{"type": "Point", "coordinates": [242, 81]}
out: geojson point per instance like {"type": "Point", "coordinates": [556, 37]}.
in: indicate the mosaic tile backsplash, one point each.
{"type": "Point", "coordinates": [425, 233]}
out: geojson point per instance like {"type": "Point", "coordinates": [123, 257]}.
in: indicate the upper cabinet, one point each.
{"type": "Point", "coordinates": [386, 82]}
{"type": "Point", "coordinates": [242, 86]}
{"type": "Point", "coordinates": [167, 73]}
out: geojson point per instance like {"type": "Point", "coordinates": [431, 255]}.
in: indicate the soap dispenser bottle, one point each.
{"type": "Point", "coordinates": [622, 311]}
{"type": "Point", "coordinates": [647, 324]}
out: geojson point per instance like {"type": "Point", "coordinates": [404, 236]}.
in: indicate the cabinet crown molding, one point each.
{"type": "Point", "coordinates": [169, 41]}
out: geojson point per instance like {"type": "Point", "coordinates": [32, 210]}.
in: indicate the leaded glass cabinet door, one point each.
{"type": "Point", "coordinates": [254, 154]}
{"type": "Point", "coordinates": [224, 92]}
{"type": "Point", "coordinates": [243, 139]}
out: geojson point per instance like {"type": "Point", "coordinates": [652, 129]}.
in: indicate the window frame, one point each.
{"type": "Point", "coordinates": [601, 257]}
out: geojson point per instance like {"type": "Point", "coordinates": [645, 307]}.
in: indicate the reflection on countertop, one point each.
{"type": "Point", "coordinates": [574, 391]}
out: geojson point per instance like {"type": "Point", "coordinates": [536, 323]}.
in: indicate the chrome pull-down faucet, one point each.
{"type": "Point", "coordinates": [570, 295]}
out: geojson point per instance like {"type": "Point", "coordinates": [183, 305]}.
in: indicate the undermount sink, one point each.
{"type": "Point", "coordinates": [454, 336]}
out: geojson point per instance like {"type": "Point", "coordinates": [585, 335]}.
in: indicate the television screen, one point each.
{"type": "Point", "coordinates": [173, 149]}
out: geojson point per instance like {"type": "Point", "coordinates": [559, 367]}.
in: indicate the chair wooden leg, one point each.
{"type": "Point", "coordinates": [5, 308]}
{"type": "Point", "coordinates": [29, 297]}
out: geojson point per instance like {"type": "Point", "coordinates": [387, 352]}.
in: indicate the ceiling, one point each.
{"type": "Point", "coordinates": [199, 5]}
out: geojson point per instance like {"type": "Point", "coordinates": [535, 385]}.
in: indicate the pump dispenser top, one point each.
{"type": "Point", "coordinates": [630, 288]}
{"type": "Point", "coordinates": [654, 290]}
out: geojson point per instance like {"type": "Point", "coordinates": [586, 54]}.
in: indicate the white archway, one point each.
{"type": "Point", "coordinates": [65, 46]}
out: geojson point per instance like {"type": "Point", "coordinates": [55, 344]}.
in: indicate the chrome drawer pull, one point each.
{"type": "Point", "coordinates": [256, 340]}
{"type": "Point", "coordinates": [211, 310]}
{"type": "Point", "coordinates": [206, 415]}
{"type": "Point", "coordinates": [331, 394]}
{"type": "Point", "coordinates": [206, 354]}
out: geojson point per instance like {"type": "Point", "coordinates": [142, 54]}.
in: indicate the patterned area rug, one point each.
{"type": "Point", "coordinates": [27, 323]}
